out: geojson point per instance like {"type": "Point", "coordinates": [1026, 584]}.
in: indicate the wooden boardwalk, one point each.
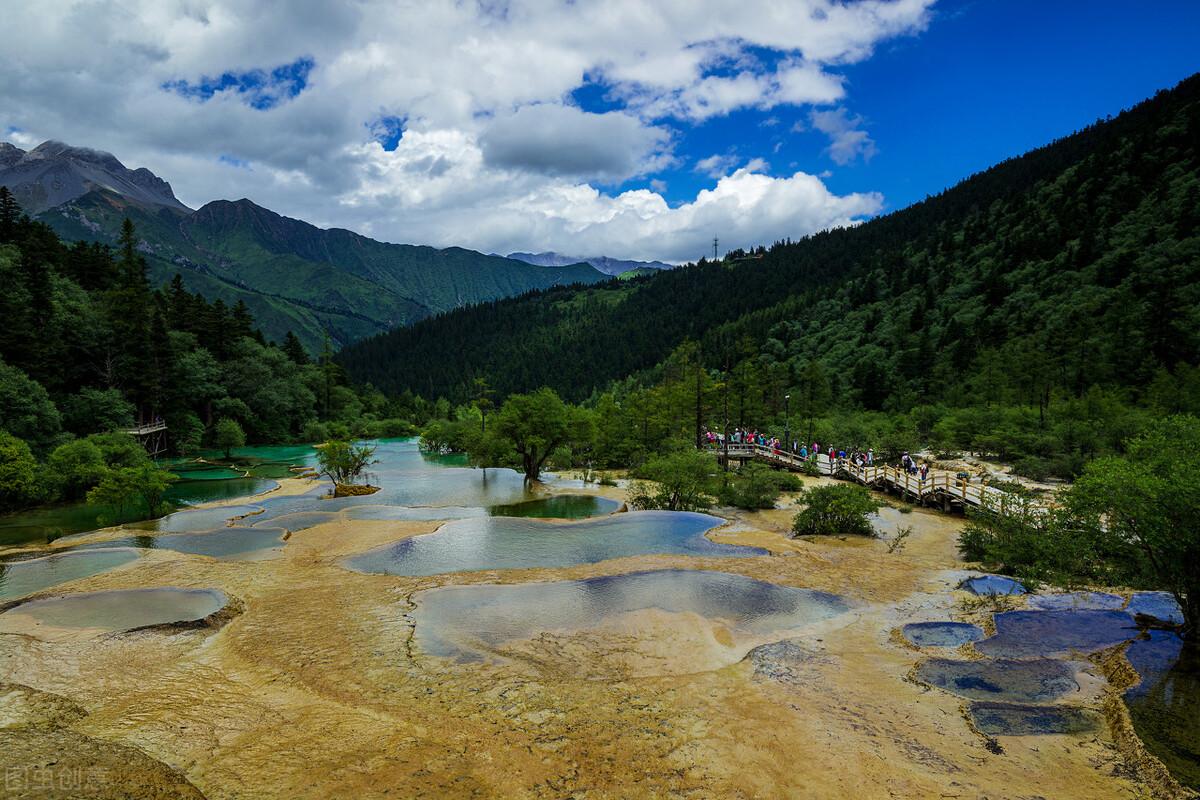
{"type": "Point", "coordinates": [151, 435]}
{"type": "Point", "coordinates": [944, 489]}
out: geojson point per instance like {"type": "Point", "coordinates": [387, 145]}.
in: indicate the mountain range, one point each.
{"type": "Point", "coordinates": [290, 274]}
{"type": "Point", "coordinates": [609, 266]}
{"type": "Point", "coordinates": [1075, 265]}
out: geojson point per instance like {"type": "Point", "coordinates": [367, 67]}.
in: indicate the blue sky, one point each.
{"type": "Point", "coordinates": [987, 80]}
{"type": "Point", "coordinates": [626, 128]}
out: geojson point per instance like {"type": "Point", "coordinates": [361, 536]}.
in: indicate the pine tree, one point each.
{"type": "Point", "coordinates": [241, 322]}
{"type": "Point", "coordinates": [294, 350]}
{"type": "Point", "coordinates": [10, 216]}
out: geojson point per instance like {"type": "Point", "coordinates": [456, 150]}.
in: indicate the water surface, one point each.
{"type": "Point", "coordinates": [1029, 634]}
{"type": "Point", "coordinates": [941, 634]}
{"type": "Point", "coordinates": [236, 543]}
{"type": "Point", "coordinates": [20, 578]}
{"type": "Point", "coordinates": [515, 543]}
{"type": "Point", "coordinates": [96, 613]}
{"type": "Point", "coordinates": [1026, 681]}
{"type": "Point", "coordinates": [468, 622]}
{"type": "Point", "coordinates": [1013, 719]}
{"type": "Point", "coordinates": [1165, 706]}
{"type": "Point", "coordinates": [984, 585]}
{"type": "Point", "coordinates": [563, 506]}
{"type": "Point", "coordinates": [1066, 601]}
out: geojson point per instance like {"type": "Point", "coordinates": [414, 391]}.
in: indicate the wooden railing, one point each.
{"type": "Point", "coordinates": [937, 486]}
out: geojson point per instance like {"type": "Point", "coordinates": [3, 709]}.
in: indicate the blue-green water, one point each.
{"type": "Point", "coordinates": [21, 578]}
{"type": "Point", "coordinates": [563, 506]}
{"type": "Point", "coordinates": [119, 610]}
{"type": "Point", "coordinates": [515, 543]}
{"type": "Point", "coordinates": [467, 622]}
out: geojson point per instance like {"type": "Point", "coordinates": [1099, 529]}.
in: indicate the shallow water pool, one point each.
{"type": "Point", "coordinates": [992, 585]}
{"type": "Point", "coordinates": [941, 634]}
{"type": "Point", "coordinates": [468, 622]}
{"type": "Point", "coordinates": [563, 506]}
{"type": "Point", "coordinates": [1012, 719]}
{"type": "Point", "coordinates": [1023, 681]}
{"type": "Point", "coordinates": [20, 578]}
{"type": "Point", "coordinates": [96, 613]}
{"type": "Point", "coordinates": [237, 543]}
{"type": "Point", "coordinates": [1029, 634]}
{"type": "Point", "coordinates": [515, 543]}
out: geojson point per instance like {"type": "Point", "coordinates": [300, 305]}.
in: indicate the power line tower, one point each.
{"type": "Point", "coordinates": [715, 242]}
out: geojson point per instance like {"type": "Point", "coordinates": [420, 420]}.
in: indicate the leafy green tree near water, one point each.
{"type": "Point", "coordinates": [534, 426]}
{"type": "Point", "coordinates": [344, 462]}
{"type": "Point", "coordinates": [124, 487]}
{"type": "Point", "coordinates": [229, 436]}
{"type": "Point", "coordinates": [1132, 519]}
{"type": "Point", "coordinates": [18, 473]}
{"type": "Point", "coordinates": [1149, 501]}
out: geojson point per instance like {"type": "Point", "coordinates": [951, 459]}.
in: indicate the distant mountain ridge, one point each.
{"type": "Point", "coordinates": [54, 173]}
{"type": "Point", "coordinates": [609, 266]}
{"type": "Point", "coordinates": [292, 275]}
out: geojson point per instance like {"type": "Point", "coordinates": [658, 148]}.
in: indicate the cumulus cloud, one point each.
{"type": "Point", "coordinates": [562, 140]}
{"type": "Point", "coordinates": [490, 150]}
{"type": "Point", "coordinates": [847, 140]}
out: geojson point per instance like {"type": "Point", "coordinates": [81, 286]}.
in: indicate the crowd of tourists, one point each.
{"type": "Point", "coordinates": [856, 456]}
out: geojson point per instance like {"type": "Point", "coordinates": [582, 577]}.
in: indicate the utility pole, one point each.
{"type": "Point", "coordinates": [715, 242]}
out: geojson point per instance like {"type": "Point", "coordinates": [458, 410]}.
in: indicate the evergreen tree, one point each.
{"type": "Point", "coordinates": [10, 216]}
{"type": "Point", "coordinates": [294, 350]}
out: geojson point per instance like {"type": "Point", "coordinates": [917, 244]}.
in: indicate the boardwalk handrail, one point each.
{"type": "Point", "coordinates": [147, 429]}
{"type": "Point", "coordinates": [937, 485]}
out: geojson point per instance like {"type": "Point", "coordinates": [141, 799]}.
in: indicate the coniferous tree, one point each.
{"type": "Point", "coordinates": [295, 350]}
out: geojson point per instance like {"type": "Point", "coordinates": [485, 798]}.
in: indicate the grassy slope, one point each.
{"type": "Point", "coordinates": [294, 276]}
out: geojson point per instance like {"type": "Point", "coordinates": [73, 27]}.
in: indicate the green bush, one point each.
{"type": "Point", "coordinates": [19, 484]}
{"type": "Point", "coordinates": [834, 509]}
{"type": "Point", "coordinates": [754, 486]}
{"type": "Point", "coordinates": [677, 482]}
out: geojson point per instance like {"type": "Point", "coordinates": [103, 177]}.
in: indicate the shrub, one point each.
{"type": "Point", "coordinates": [838, 508]}
{"type": "Point", "coordinates": [676, 482]}
{"type": "Point", "coordinates": [18, 473]}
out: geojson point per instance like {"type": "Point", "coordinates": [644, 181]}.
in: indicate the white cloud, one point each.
{"type": "Point", "coordinates": [847, 141]}
{"type": "Point", "coordinates": [561, 140]}
{"type": "Point", "coordinates": [465, 77]}
{"type": "Point", "coordinates": [716, 165]}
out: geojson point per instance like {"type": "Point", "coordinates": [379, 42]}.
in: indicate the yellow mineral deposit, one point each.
{"type": "Point", "coordinates": [318, 689]}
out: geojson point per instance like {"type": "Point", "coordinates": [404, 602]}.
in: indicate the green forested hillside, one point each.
{"type": "Point", "coordinates": [89, 347]}
{"type": "Point", "coordinates": [1069, 275]}
{"type": "Point", "coordinates": [296, 277]}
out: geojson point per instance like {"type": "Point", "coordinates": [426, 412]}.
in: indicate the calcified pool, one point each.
{"type": "Point", "coordinates": [1027, 634]}
{"type": "Point", "coordinates": [515, 543]}
{"type": "Point", "coordinates": [941, 634]}
{"type": "Point", "coordinates": [21, 578]}
{"type": "Point", "coordinates": [231, 543]}
{"type": "Point", "coordinates": [96, 613]}
{"type": "Point", "coordinates": [1031, 681]}
{"type": "Point", "coordinates": [471, 622]}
